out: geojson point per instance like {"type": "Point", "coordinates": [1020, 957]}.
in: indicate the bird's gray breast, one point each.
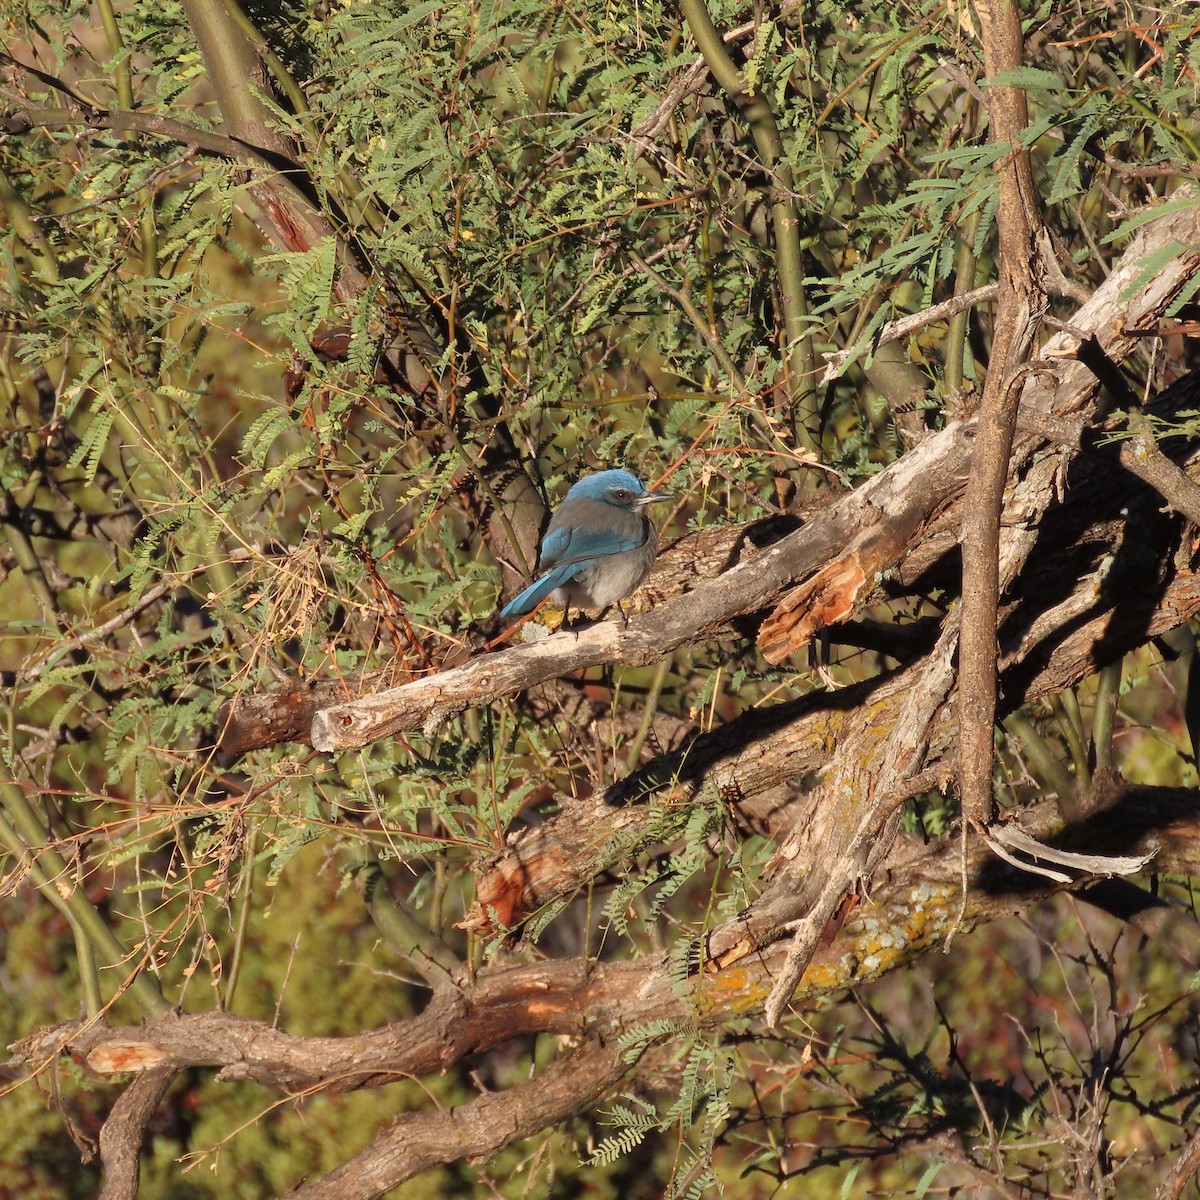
{"type": "Point", "coordinates": [607, 580]}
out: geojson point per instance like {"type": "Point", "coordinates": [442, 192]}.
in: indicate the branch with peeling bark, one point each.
{"type": "Point", "coordinates": [581, 1000]}
{"type": "Point", "coordinates": [1091, 566]}
{"type": "Point", "coordinates": [882, 518]}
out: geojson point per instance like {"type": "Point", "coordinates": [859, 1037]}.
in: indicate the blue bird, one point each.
{"type": "Point", "coordinates": [597, 548]}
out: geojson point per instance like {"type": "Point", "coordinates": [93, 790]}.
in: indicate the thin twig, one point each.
{"type": "Point", "coordinates": [36, 670]}
{"type": "Point", "coordinates": [901, 327]}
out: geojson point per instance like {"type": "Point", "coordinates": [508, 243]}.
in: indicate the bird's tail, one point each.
{"type": "Point", "coordinates": [534, 594]}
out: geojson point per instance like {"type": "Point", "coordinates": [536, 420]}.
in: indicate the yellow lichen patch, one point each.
{"type": "Point", "coordinates": [741, 988]}
{"type": "Point", "coordinates": [826, 976]}
{"type": "Point", "coordinates": [879, 938]}
{"type": "Point", "coordinates": [881, 942]}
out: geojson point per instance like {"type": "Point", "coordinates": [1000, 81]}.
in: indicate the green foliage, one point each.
{"type": "Point", "coordinates": [700, 1108]}
{"type": "Point", "coordinates": [209, 439]}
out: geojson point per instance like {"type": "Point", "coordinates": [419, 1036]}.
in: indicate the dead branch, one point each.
{"type": "Point", "coordinates": [581, 999]}
{"type": "Point", "coordinates": [884, 515]}
{"type": "Point", "coordinates": [1106, 603]}
{"type": "Point", "coordinates": [417, 1141]}
{"type": "Point", "coordinates": [911, 323]}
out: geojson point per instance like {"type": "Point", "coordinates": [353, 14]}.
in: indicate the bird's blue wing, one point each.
{"type": "Point", "coordinates": [569, 545]}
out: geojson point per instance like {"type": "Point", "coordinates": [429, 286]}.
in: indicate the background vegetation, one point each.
{"type": "Point", "coordinates": [310, 310]}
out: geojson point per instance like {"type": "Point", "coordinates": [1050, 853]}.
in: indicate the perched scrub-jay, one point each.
{"type": "Point", "coordinates": [598, 546]}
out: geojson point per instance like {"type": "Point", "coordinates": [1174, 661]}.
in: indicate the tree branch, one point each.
{"type": "Point", "coordinates": [417, 1141]}
{"type": "Point", "coordinates": [902, 327]}
{"type": "Point", "coordinates": [124, 1131]}
{"type": "Point", "coordinates": [1021, 302]}
{"type": "Point", "coordinates": [583, 999]}
{"type": "Point", "coordinates": [884, 514]}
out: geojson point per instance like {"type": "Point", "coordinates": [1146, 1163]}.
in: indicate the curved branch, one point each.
{"type": "Point", "coordinates": [91, 117]}
{"type": "Point", "coordinates": [417, 1141]}
{"type": "Point", "coordinates": [902, 327]}
{"type": "Point", "coordinates": [124, 1131]}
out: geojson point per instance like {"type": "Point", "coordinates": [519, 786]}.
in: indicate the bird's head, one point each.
{"type": "Point", "coordinates": [622, 489]}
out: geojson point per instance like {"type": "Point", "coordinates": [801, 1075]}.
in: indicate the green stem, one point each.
{"type": "Point", "coordinates": [123, 80]}
{"type": "Point", "coordinates": [651, 707]}
{"type": "Point", "coordinates": [227, 44]}
{"type": "Point", "coordinates": [1044, 761]}
{"type": "Point", "coordinates": [1104, 718]}
{"type": "Point", "coordinates": [27, 560]}
{"type": "Point", "coordinates": [400, 927]}
{"type": "Point", "coordinates": [234, 52]}
{"type": "Point", "coordinates": [283, 76]}
{"type": "Point", "coordinates": [89, 977]}
{"type": "Point", "coordinates": [1066, 706]}
{"type": "Point", "coordinates": [785, 219]}
{"type": "Point", "coordinates": [245, 896]}
{"type": "Point", "coordinates": [350, 194]}
{"type": "Point", "coordinates": [234, 72]}
{"type": "Point", "coordinates": [964, 281]}
{"type": "Point", "coordinates": [25, 836]}
{"type": "Point", "coordinates": [149, 223]}
{"type": "Point", "coordinates": [20, 217]}
{"type": "Point", "coordinates": [1184, 673]}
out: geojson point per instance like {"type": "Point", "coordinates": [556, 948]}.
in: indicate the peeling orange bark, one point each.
{"type": "Point", "coordinates": [831, 595]}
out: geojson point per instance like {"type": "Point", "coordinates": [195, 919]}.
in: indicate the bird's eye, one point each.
{"type": "Point", "coordinates": [621, 494]}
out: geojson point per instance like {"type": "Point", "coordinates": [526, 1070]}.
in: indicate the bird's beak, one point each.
{"type": "Point", "coordinates": [652, 498]}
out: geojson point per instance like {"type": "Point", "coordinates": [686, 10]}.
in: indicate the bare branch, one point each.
{"type": "Point", "coordinates": [902, 327]}
{"type": "Point", "coordinates": [1021, 303]}
{"type": "Point", "coordinates": [417, 1141]}
{"type": "Point", "coordinates": [125, 1130]}
{"type": "Point", "coordinates": [582, 999]}
{"type": "Point", "coordinates": [885, 513]}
